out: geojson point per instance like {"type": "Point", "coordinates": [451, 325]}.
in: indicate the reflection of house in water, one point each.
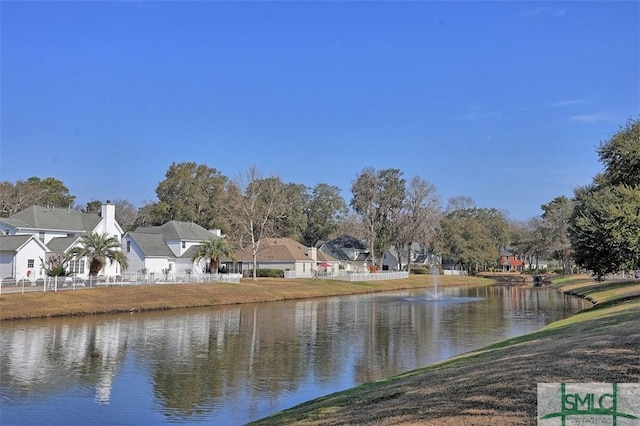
{"type": "Point", "coordinates": [26, 350]}
{"type": "Point", "coordinates": [108, 346]}
{"type": "Point", "coordinates": [306, 319]}
{"type": "Point", "coordinates": [190, 334]}
{"type": "Point", "coordinates": [75, 340]}
{"type": "Point", "coordinates": [45, 358]}
{"type": "Point", "coordinates": [228, 323]}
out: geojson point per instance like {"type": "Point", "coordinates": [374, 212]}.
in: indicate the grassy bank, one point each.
{"type": "Point", "coordinates": [156, 297]}
{"type": "Point", "coordinates": [497, 385]}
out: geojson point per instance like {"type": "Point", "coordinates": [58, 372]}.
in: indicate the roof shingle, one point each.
{"type": "Point", "coordinates": [38, 217]}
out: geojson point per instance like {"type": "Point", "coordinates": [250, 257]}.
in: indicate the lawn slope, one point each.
{"type": "Point", "coordinates": [167, 296]}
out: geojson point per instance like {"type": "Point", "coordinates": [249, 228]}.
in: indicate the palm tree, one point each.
{"type": "Point", "coordinates": [213, 250]}
{"type": "Point", "coordinates": [99, 248]}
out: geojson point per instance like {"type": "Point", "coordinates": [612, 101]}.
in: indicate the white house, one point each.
{"type": "Point", "coordinates": [58, 230]}
{"type": "Point", "coordinates": [165, 249]}
{"type": "Point", "coordinates": [20, 256]}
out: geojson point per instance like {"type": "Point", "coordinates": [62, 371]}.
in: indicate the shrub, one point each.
{"type": "Point", "coordinates": [419, 271]}
{"type": "Point", "coordinates": [269, 273]}
{"type": "Point", "coordinates": [9, 281]}
{"type": "Point", "coordinates": [57, 271]}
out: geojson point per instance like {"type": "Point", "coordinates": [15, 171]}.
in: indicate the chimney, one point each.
{"type": "Point", "coordinates": [312, 252]}
{"type": "Point", "coordinates": [108, 213]}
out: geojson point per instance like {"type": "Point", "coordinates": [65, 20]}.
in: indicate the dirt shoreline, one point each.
{"type": "Point", "coordinates": [140, 298]}
{"type": "Point", "coordinates": [497, 385]}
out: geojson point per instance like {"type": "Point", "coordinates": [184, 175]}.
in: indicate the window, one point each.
{"type": "Point", "coordinates": [76, 266]}
{"type": "Point", "coordinates": [184, 244]}
{"type": "Point", "coordinates": [128, 246]}
{"type": "Point", "coordinates": [30, 263]}
{"type": "Point", "coordinates": [41, 236]}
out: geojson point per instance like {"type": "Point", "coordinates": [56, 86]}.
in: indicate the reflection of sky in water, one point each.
{"type": "Point", "coordinates": [234, 364]}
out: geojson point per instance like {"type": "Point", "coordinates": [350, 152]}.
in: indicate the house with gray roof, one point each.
{"type": "Point", "coordinates": [154, 250]}
{"type": "Point", "coordinates": [20, 256]}
{"type": "Point", "coordinates": [352, 254]}
{"type": "Point", "coordinates": [170, 247]}
{"type": "Point", "coordinates": [58, 230]}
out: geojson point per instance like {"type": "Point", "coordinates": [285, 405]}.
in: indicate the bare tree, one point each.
{"type": "Point", "coordinates": [14, 198]}
{"type": "Point", "coordinates": [529, 239]}
{"type": "Point", "coordinates": [350, 224]}
{"type": "Point", "coordinates": [33, 191]}
{"type": "Point", "coordinates": [460, 202]}
{"type": "Point", "coordinates": [417, 220]}
{"type": "Point", "coordinates": [126, 214]}
{"type": "Point", "coordinates": [256, 205]}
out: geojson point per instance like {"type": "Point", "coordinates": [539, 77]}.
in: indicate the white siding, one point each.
{"type": "Point", "coordinates": [178, 250]}
{"type": "Point", "coordinates": [109, 226]}
{"type": "Point", "coordinates": [134, 256]}
{"type": "Point", "coordinates": [31, 250]}
{"type": "Point", "coordinates": [155, 265]}
{"type": "Point", "coordinates": [48, 235]}
{"type": "Point", "coordinates": [181, 265]}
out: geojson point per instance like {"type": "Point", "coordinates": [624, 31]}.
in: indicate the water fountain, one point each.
{"type": "Point", "coordinates": [435, 294]}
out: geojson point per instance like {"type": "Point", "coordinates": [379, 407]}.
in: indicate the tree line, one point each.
{"type": "Point", "coordinates": [597, 229]}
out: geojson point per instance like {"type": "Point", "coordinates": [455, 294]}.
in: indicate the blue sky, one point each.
{"type": "Point", "coordinates": [503, 102]}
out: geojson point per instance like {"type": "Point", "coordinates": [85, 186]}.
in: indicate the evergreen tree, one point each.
{"type": "Point", "coordinates": [605, 225]}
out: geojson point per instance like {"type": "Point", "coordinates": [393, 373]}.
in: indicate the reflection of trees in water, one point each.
{"type": "Point", "coordinates": [203, 361]}
{"type": "Point", "coordinates": [271, 352]}
{"type": "Point", "coordinates": [437, 330]}
{"type": "Point", "coordinates": [250, 355]}
{"type": "Point", "coordinates": [48, 359]}
{"type": "Point", "coordinates": [192, 359]}
{"type": "Point", "coordinates": [385, 340]}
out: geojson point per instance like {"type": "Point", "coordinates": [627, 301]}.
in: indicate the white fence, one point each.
{"type": "Point", "coordinates": [346, 276]}
{"type": "Point", "coordinates": [76, 283]}
{"type": "Point", "coordinates": [453, 272]}
{"type": "Point", "coordinates": [55, 284]}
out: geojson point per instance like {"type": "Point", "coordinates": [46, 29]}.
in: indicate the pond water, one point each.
{"type": "Point", "coordinates": [230, 365]}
